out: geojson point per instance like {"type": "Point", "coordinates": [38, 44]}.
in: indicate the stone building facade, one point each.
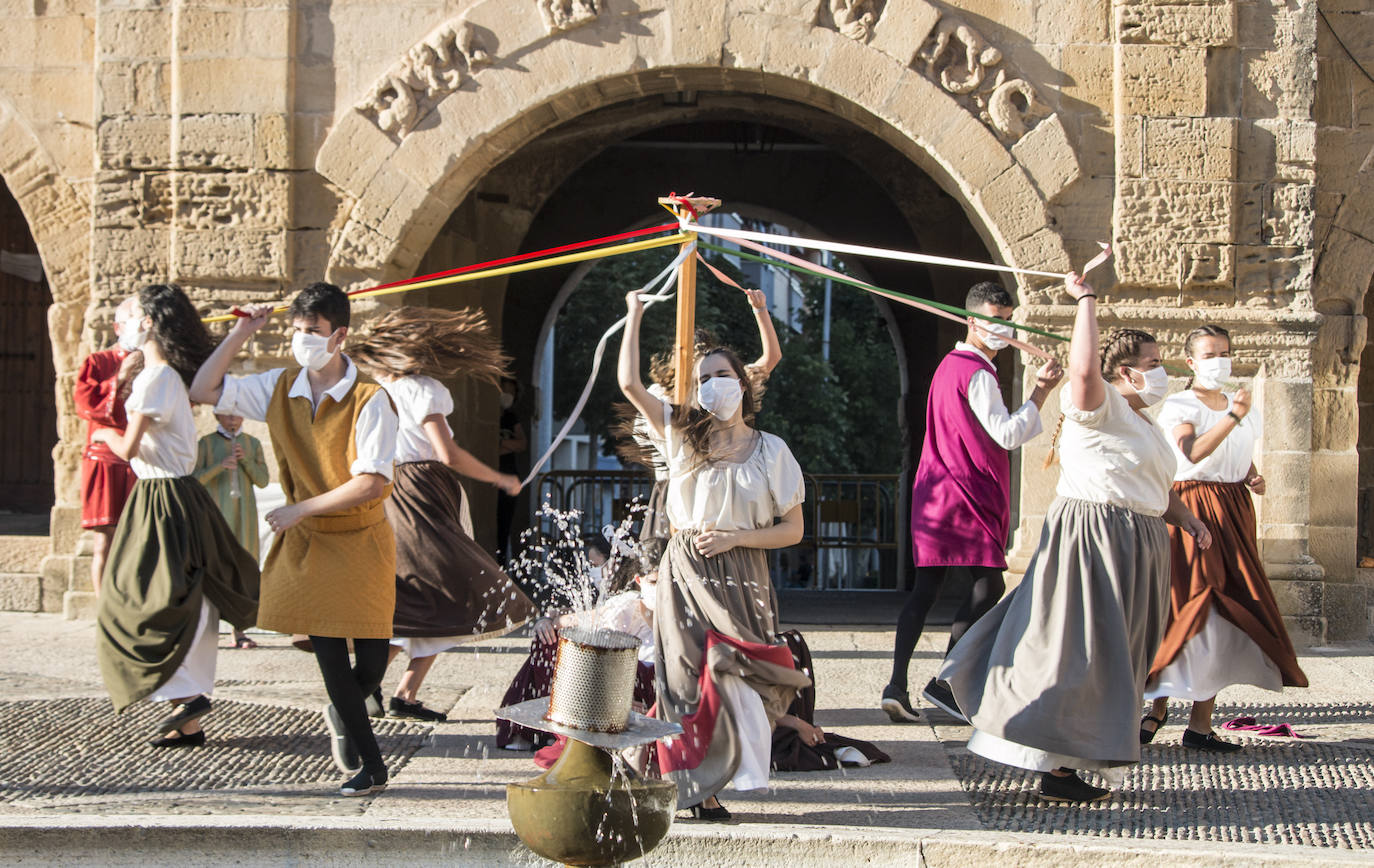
{"type": "Point", "coordinates": [1226, 147]}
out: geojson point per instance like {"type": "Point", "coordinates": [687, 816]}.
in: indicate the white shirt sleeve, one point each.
{"type": "Point", "coordinates": [248, 396]}
{"type": "Point", "coordinates": [1008, 430]}
{"type": "Point", "coordinates": [153, 394]}
{"type": "Point", "coordinates": [375, 435]}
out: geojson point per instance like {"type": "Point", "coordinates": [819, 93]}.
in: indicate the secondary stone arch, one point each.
{"type": "Point", "coordinates": [507, 79]}
{"type": "Point", "coordinates": [59, 221]}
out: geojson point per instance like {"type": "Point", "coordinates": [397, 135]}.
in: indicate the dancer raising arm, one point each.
{"type": "Point", "coordinates": [720, 669]}
{"type": "Point", "coordinates": [1051, 677]}
{"type": "Point", "coordinates": [331, 571]}
{"type": "Point", "coordinates": [449, 590]}
{"type": "Point", "coordinates": [175, 567]}
{"type": "Point", "coordinates": [1224, 625]}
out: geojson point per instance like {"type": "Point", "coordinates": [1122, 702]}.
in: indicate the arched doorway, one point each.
{"type": "Point", "coordinates": [26, 377]}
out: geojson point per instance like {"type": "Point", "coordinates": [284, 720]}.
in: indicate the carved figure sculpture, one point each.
{"type": "Point", "coordinates": [978, 56]}
{"type": "Point", "coordinates": [431, 69]}
{"type": "Point", "coordinates": [854, 18]}
{"type": "Point", "coordinates": [1005, 115]}
{"type": "Point", "coordinates": [566, 14]}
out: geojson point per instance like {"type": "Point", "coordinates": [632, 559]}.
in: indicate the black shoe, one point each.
{"type": "Point", "coordinates": [341, 747]}
{"type": "Point", "coordinates": [184, 714]}
{"type": "Point", "coordinates": [718, 814]}
{"type": "Point", "coordinates": [1148, 735]}
{"type": "Point", "coordinates": [374, 704]}
{"type": "Point", "coordinates": [1070, 788]}
{"type": "Point", "coordinates": [898, 705]}
{"type": "Point", "coordinates": [364, 783]}
{"type": "Point", "coordinates": [938, 694]}
{"type": "Point", "coordinates": [195, 739]}
{"type": "Point", "coordinates": [413, 711]}
{"type": "Point", "coordinates": [1208, 742]}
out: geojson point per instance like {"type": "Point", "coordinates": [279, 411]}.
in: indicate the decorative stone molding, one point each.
{"type": "Point", "coordinates": [855, 18]}
{"type": "Point", "coordinates": [433, 68]}
{"type": "Point", "coordinates": [561, 15]}
{"type": "Point", "coordinates": [964, 64]}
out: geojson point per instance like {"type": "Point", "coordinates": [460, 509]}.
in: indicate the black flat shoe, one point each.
{"type": "Point", "coordinates": [184, 714]}
{"type": "Point", "coordinates": [1069, 788]}
{"type": "Point", "coordinates": [938, 694]}
{"type": "Point", "coordinates": [898, 705]}
{"type": "Point", "coordinates": [718, 814]}
{"type": "Point", "coordinates": [1148, 735]}
{"type": "Point", "coordinates": [1208, 742]}
{"type": "Point", "coordinates": [364, 783]}
{"type": "Point", "coordinates": [341, 747]}
{"type": "Point", "coordinates": [399, 708]}
{"type": "Point", "coordinates": [195, 739]}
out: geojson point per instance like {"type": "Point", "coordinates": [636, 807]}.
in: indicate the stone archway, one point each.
{"type": "Point", "coordinates": [481, 86]}
{"type": "Point", "coordinates": [58, 216]}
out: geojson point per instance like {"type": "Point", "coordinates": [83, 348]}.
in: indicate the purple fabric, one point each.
{"type": "Point", "coordinates": [960, 500]}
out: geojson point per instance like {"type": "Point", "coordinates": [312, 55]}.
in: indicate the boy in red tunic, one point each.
{"type": "Point", "coordinates": [101, 386]}
{"type": "Point", "coordinates": [960, 502]}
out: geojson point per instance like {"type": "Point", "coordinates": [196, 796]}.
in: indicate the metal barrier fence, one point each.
{"type": "Point", "coordinates": [855, 528]}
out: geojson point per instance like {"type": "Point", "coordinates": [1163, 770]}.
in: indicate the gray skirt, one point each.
{"type": "Point", "coordinates": [1054, 674]}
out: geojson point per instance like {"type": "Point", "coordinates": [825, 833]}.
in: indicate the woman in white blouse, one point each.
{"type": "Point", "coordinates": [720, 668]}
{"type": "Point", "coordinates": [1050, 677]}
{"type": "Point", "coordinates": [175, 567]}
{"type": "Point", "coordinates": [449, 590]}
{"type": "Point", "coordinates": [1224, 625]}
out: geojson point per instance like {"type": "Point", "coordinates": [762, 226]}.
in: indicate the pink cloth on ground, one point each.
{"type": "Point", "coordinates": [1249, 724]}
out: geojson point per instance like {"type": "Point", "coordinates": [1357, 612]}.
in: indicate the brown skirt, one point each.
{"type": "Point", "coordinates": [446, 584]}
{"type": "Point", "coordinates": [655, 524]}
{"type": "Point", "coordinates": [1229, 576]}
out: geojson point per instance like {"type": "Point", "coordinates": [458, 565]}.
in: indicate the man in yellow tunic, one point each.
{"type": "Point", "coordinates": [229, 464]}
{"type": "Point", "coordinates": [331, 571]}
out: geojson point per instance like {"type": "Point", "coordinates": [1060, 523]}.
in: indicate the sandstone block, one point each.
{"type": "Point", "coordinates": [903, 28]}
{"type": "Point", "coordinates": [1346, 610]}
{"type": "Point", "coordinates": [1272, 276]}
{"type": "Point", "coordinates": [1190, 149]}
{"type": "Point", "coordinates": [696, 31]}
{"type": "Point", "coordinates": [272, 146]}
{"type": "Point", "coordinates": [1048, 157]}
{"type": "Point", "coordinates": [133, 143]}
{"type": "Point", "coordinates": [1087, 76]}
{"type": "Point", "coordinates": [1069, 23]}
{"type": "Point", "coordinates": [1287, 411]}
{"type": "Point", "coordinates": [80, 605]}
{"type": "Point", "coordinates": [1163, 81]}
{"type": "Point", "coordinates": [1305, 632]}
{"type": "Point", "coordinates": [1152, 217]}
{"type": "Point", "coordinates": [132, 33]}
{"type": "Point", "coordinates": [210, 32]}
{"type": "Point", "coordinates": [1334, 548]}
{"type": "Point", "coordinates": [231, 253]}
{"type": "Point", "coordinates": [1344, 267]}
{"type": "Point", "coordinates": [217, 141]}
{"type": "Point", "coordinates": [1277, 84]}
{"type": "Point", "coordinates": [234, 85]}
{"type": "Point", "coordinates": [1335, 422]}
{"type": "Point", "coordinates": [64, 525]}
{"type": "Point", "coordinates": [20, 592]}
{"type": "Point", "coordinates": [852, 71]}
{"type": "Point", "coordinates": [1289, 210]}
{"type": "Point", "coordinates": [246, 200]}
{"type": "Point", "coordinates": [1297, 598]}
{"type": "Point", "coordinates": [1174, 24]}
{"type": "Point", "coordinates": [352, 155]}
{"type": "Point", "coordinates": [128, 256]}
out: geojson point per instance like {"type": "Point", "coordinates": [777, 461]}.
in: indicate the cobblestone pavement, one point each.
{"type": "Point", "coordinates": [63, 752]}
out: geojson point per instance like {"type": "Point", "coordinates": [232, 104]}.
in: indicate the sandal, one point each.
{"type": "Point", "coordinates": [1148, 735]}
{"type": "Point", "coordinates": [243, 643]}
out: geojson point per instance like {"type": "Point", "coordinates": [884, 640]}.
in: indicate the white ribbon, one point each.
{"type": "Point", "coordinates": [859, 249]}
{"type": "Point", "coordinates": [667, 277]}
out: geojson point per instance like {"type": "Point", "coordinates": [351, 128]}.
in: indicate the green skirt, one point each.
{"type": "Point", "coordinates": [171, 548]}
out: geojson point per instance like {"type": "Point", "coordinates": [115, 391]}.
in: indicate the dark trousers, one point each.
{"type": "Point", "coordinates": [983, 594]}
{"type": "Point", "coordinates": [349, 683]}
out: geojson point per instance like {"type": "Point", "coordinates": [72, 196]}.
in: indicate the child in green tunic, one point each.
{"type": "Point", "coordinates": [229, 464]}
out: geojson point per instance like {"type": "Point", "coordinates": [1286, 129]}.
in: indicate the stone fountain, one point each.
{"type": "Point", "coordinates": [591, 808]}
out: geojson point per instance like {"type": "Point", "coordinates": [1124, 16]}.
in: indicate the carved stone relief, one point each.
{"type": "Point", "coordinates": [560, 15]}
{"type": "Point", "coordinates": [433, 68]}
{"type": "Point", "coordinates": [964, 64]}
{"type": "Point", "coordinates": [855, 18]}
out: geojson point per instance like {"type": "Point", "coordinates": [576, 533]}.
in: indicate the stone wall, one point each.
{"type": "Point", "coordinates": [243, 147]}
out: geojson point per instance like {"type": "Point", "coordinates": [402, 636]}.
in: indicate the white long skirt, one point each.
{"type": "Point", "coordinates": [1220, 655]}
{"type": "Point", "coordinates": [196, 675]}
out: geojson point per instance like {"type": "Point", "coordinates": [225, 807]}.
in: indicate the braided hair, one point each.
{"type": "Point", "coordinates": [1121, 347]}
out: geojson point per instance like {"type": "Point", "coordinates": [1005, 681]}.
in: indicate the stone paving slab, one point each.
{"type": "Point", "coordinates": [1312, 794]}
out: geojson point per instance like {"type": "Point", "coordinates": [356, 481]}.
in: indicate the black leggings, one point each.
{"type": "Point", "coordinates": [984, 593]}
{"type": "Point", "coordinates": [348, 685]}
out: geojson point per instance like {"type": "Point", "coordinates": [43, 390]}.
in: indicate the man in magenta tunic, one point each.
{"type": "Point", "coordinates": [960, 502]}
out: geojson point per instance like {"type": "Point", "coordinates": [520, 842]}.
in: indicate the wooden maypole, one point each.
{"type": "Point", "coordinates": [690, 207]}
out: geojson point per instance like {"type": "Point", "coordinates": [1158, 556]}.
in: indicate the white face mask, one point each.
{"type": "Point", "coordinates": [1156, 385]}
{"type": "Point", "coordinates": [132, 335]}
{"type": "Point", "coordinates": [1212, 373]}
{"type": "Point", "coordinates": [311, 351]}
{"type": "Point", "coordinates": [507, 400]}
{"type": "Point", "coordinates": [995, 340]}
{"type": "Point", "coordinates": [720, 396]}
{"type": "Point", "coordinates": [648, 594]}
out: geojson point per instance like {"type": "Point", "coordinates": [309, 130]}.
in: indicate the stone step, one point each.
{"type": "Point", "coordinates": [21, 553]}
{"type": "Point", "coordinates": [21, 592]}
{"type": "Point", "coordinates": [146, 841]}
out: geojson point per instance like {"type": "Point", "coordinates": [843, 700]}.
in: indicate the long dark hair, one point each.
{"type": "Point", "coordinates": [432, 342]}
{"type": "Point", "coordinates": [177, 328]}
{"type": "Point", "coordinates": [695, 423]}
